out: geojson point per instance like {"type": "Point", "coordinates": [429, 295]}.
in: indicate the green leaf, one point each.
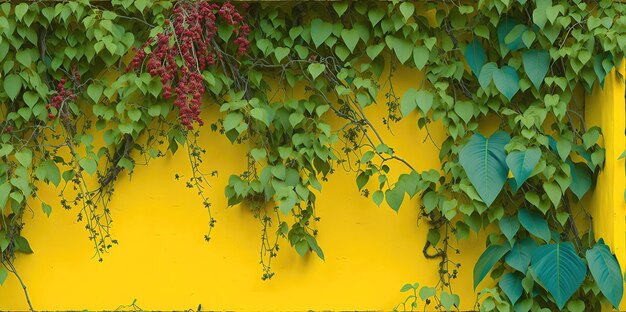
{"type": "Point", "coordinates": [427, 292]}
{"type": "Point", "coordinates": [484, 162]}
{"type": "Point", "coordinates": [5, 190]}
{"type": "Point", "coordinates": [320, 31]}
{"type": "Point", "coordinates": [553, 191]}
{"type": "Point", "coordinates": [89, 165]}
{"type": "Point", "coordinates": [505, 28]}
{"type": "Point", "coordinates": [3, 274]}
{"type": "Point", "coordinates": [315, 69]}
{"type": "Point", "coordinates": [576, 306]}
{"type": "Point", "coordinates": [534, 223]}
{"type": "Point", "coordinates": [94, 91]}
{"type": "Point", "coordinates": [24, 156]}
{"type": "Point", "coordinates": [350, 38]}
{"type": "Point", "coordinates": [487, 260]}
{"type": "Point", "coordinates": [408, 102]}
{"type": "Point", "coordinates": [407, 9]}
{"type": "Point", "coordinates": [465, 110]}
{"type": "Point", "coordinates": [20, 10]}
{"type": "Point", "coordinates": [406, 287]}
{"type": "Point", "coordinates": [507, 81]}
{"type": "Point", "coordinates": [486, 74]}
{"type": "Point", "coordinates": [509, 227]}
{"type": "Point", "coordinates": [581, 179]}
{"type": "Point", "coordinates": [30, 98]}
{"type": "Point", "coordinates": [559, 269]}
{"type": "Point", "coordinates": [47, 209]}
{"type": "Point", "coordinates": [281, 53]}
{"type": "Point", "coordinates": [394, 197]}
{"type": "Point", "coordinates": [606, 270]}
{"type": "Point", "coordinates": [475, 56]}
{"type": "Point", "coordinates": [12, 85]}
{"type": "Point", "coordinates": [511, 284]}
{"type": "Point", "coordinates": [449, 300]}
{"type": "Point", "coordinates": [403, 49]}
{"type": "Point", "coordinates": [375, 14]}
{"type": "Point", "coordinates": [536, 65]}
{"type": "Point", "coordinates": [378, 197]}
{"type": "Point", "coordinates": [421, 54]}
{"type": "Point", "coordinates": [262, 115]}
{"type": "Point", "coordinates": [523, 163]}
{"type": "Point", "coordinates": [22, 245]}
{"type": "Point", "coordinates": [520, 255]}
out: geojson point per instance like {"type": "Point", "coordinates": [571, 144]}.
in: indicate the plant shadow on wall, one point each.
{"type": "Point", "coordinates": [92, 90]}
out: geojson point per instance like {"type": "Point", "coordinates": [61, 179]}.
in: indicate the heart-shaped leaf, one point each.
{"type": "Point", "coordinates": [560, 270]}
{"type": "Point", "coordinates": [511, 284]}
{"type": "Point", "coordinates": [315, 69]}
{"type": "Point", "coordinates": [536, 64]}
{"type": "Point", "coordinates": [320, 31]}
{"type": "Point", "coordinates": [484, 162]}
{"type": "Point", "coordinates": [520, 255]}
{"type": "Point", "coordinates": [12, 85]}
{"type": "Point", "coordinates": [534, 223]}
{"type": "Point", "coordinates": [522, 164]}
{"type": "Point", "coordinates": [507, 81]}
{"type": "Point", "coordinates": [475, 56]}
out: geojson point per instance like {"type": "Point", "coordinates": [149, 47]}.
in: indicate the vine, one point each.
{"type": "Point", "coordinates": [138, 73]}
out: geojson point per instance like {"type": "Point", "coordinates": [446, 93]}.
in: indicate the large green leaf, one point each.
{"type": "Point", "coordinates": [559, 270]}
{"type": "Point", "coordinates": [484, 162]}
{"type": "Point", "coordinates": [520, 255]}
{"type": "Point", "coordinates": [522, 164]}
{"type": "Point", "coordinates": [507, 81]}
{"type": "Point", "coordinates": [504, 29]}
{"type": "Point", "coordinates": [534, 223]}
{"type": "Point", "coordinates": [536, 64]}
{"type": "Point", "coordinates": [606, 271]}
{"type": "Point", "coordinates": [475, 56]}
{"type": "Point", "coordinates": [487, 260]}
{"type": "Point", "coordinates": [511, 284]}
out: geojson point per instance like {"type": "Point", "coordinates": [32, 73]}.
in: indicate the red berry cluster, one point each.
{"type": "Point", "coordinates": [191, 36]}
{"type": "Point", "coordinates": [62, 96]}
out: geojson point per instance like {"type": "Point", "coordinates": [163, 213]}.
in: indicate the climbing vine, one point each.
{"type": "Point", "coordinates": [91, 90]}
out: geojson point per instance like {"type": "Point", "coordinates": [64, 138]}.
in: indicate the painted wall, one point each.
{"type": "Point", "coordinates": [164, 263]}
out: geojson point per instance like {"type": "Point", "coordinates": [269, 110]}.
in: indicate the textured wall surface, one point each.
{"type": "Point", "coordinates": [163, 262]}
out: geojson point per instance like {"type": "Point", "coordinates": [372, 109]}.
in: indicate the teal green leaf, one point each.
{"type": "Point", "coordinates": [504, 28]}
{"type": "Point", "coordinates": [536, 65]}
{"type": "Point", "coordinates": [509, 227]}
{"type": "Point", "coordinates": [520, 255]}
{"type": "Point", "coordinates": [522, 164]}
{"type": "Point", "coordinates": [606, 270]}
{"type": "Point", "coordinates": [534, 223]}
{"type": "Point", "coordinates": [559, 270]}
{"type": "Point", "coordinates": [511, 284]}
{"type": "Point", "coordinates": [475, 56]}
{"type": "Point", "coordinates": [484, 162]}
{"type": "Point", "coordinates": [506, 81]}
{"type": "Point", "coordinates": [487, 260]}
{"type": "Point", "coordinates": [581, 179]}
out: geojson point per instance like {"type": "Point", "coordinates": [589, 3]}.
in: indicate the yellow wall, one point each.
{"type": "Point", "coordinates": [163, 261]}
{"type": "Point", "coordinates": [605, 108]}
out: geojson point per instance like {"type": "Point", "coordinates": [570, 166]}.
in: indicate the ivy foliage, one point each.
{"type": "Point", "coordinates": [90, 90]}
